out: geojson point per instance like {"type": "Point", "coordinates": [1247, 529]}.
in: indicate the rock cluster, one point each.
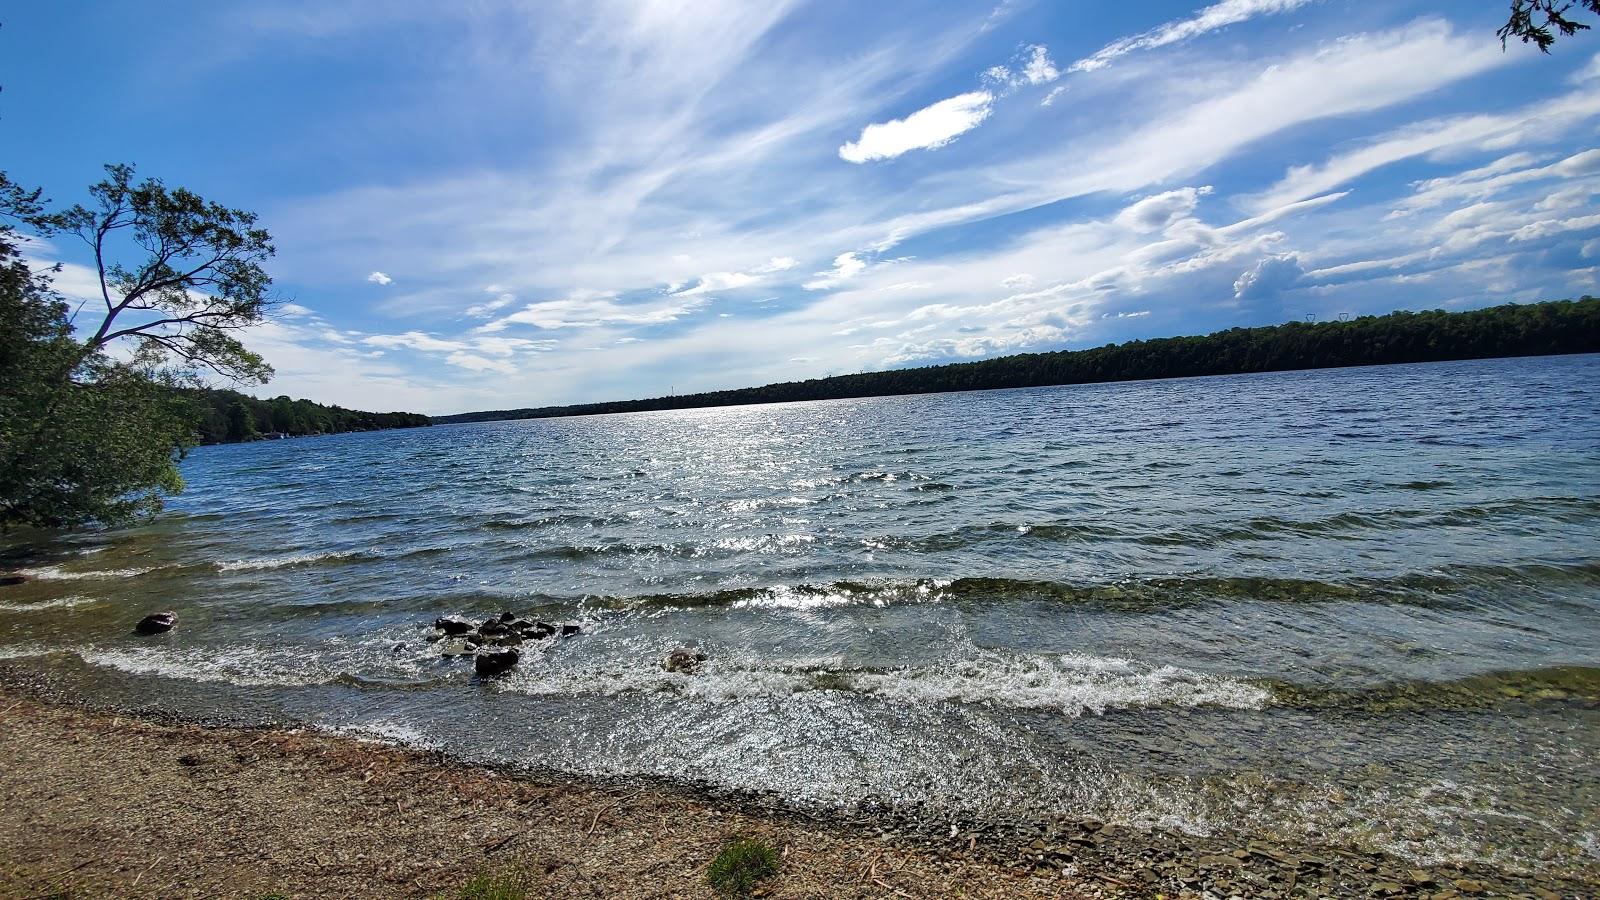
{"type": "Point", "coordinates": [494, 643]}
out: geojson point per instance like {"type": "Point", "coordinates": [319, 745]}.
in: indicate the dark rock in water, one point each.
{"type": "Point", "coordinates": [540, 630]}
{"type": "Point", "coordinates": [399, 648]}
{"type": "Point", "coordinates": [495, 662]}
{"type": "Point", "coordinates": [452, 625]}
{"type": "Point", "coordinates": [492, 628]}
{"type": "Point", "coordinates": [156, 623]}
{"type": "Point", "coordinates": [508, 640]}
{"type": "Point", "coordinates": [473, 641]}
{"type": "Point", "coordinates": [11, 578]}
{"type": "Point", "coordinates": [683, 660]}
{"type": "Point", "coordinates": [570, 630]}
{"type": "Point", "coordinates": [508, 617]}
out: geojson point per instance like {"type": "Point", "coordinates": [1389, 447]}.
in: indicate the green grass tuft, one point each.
{"type": "Point", "coordinates": [743, 863]}
{"type": "Point", "coordinates": [508, 885]}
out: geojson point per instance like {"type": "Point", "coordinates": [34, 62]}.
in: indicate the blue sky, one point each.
{"type": "Point", "coordinates": [482, 205]}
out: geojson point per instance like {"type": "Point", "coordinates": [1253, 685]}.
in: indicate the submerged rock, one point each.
{"type": "Point", "coordinates": [539, 630]}
{"type": "Point", "coordinates": [683, 660]}
{"type": "Point", "coordinates": [493, 627]}
{"type": "Point", "coordinates": [10, 578]}
{"type": "Point", "coordinates": [570, 630]}
{"type": "Point", "coordinates": [495, 662]}
{"type": "Point", "coordinates": [156, 623]}
{"type": "Point", "coordinates": [452, 625]}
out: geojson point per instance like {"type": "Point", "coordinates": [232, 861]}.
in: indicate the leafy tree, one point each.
{"type": "Point", "coordinates": [90, 436]}
{"type": "Point", "coordinates": [241, 422]}
{"type": "Point", "coordinates": [199, 281]}
{"type": "Point", "coordinates": [1539, 21]}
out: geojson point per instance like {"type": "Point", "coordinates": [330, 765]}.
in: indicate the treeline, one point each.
{"type": "Point", "coordinates": [228, 416]}
{"type": "Point", "coordinates": [1536, 329]}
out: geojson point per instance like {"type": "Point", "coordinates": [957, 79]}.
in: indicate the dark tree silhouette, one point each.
{"type": "Point", "coordinates": [1540, 21]}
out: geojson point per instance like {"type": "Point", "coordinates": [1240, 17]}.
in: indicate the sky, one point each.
{"type": "Point", "coordinates": [483, 205]}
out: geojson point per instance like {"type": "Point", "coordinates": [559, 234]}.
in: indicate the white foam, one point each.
{"type": "Point", "coordinates": [1074, 685]}
{"type": "Point", "coordinates": [59, 603]}
{"type": "Point", "coordinates": [787, 597]}
{"type": "Point", "coordinates": [277, 562]}
{"type": "Point", "coordinates": [241, 665]}
{"type": "Point", "coordinates": [56, 573]}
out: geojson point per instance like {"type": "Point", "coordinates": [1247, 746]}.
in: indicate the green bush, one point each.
{"type": "Point", "coordinates": [737, 868]}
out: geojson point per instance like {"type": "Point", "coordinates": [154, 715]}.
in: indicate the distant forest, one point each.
{"type": "Point", "coordinates": [1535, 329]}
{"type": "Point", "coordinates": [227, 417]}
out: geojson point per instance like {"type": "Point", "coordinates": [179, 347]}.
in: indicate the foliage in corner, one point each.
{"type": "Point", "coordinates": [741, 866]}
{"type": "Point", "coordinates": [1539, 21]}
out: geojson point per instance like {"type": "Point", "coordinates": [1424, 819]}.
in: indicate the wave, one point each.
{"type": "Point", "coordinates": [1070, 684]}
{"type": "Point", "coordinates": [56, 573]}
{"type": "Point", "coordinates": [42, 605]}
{"type": "Point", "coordinates": [327, 558]}
{"type": "Point", "coordinates": [1560, 684]}
{"type": "Point", "coordinates": [300, 559]}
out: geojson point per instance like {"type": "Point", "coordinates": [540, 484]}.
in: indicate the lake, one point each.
{"type": "Point", "coordinates": [1357, 607]}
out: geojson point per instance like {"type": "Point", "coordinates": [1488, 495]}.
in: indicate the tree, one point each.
{"type": "Point", "coordinates": [200, 279]}
{"type": "Point", "coordinates": [241, 422]}
{"type": "Point", "coordinates": [89, 436]}
{"type": "Point", "coordinates": [1539, 21]}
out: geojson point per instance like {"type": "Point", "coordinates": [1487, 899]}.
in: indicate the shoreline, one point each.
{"type": "Point", "coordinates": [116, 802]}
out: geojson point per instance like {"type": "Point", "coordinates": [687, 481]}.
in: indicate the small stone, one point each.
{"type": "Point", "coordinates": [1545, 893]}
{"type": "Point", "coordinates": [11, 578]}
{"type": "Point", "coordinates": [1470, 886]}
{"type": "Point", "coordinates": [1421, 878]}
{"type": "Point", "coordinates": [452, 625]}
{"type": "Point", "coordinates": [1386, 887]}
{"type": "Point", "coordinates": [1241, 854]}
{"type": "Point", "coordinates": [156, 623]}
{"type": "Point", "coordinates": [495, 662]}
{"type": "Point", "coordinates": [508, 617]}
{"type": "Point", "coordinates": [570, 630]}
{"type": "Point", "coordinates": [683, 660]}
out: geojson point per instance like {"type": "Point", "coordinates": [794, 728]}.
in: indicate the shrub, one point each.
{"type": "Point", "coordinates": [740, 865]}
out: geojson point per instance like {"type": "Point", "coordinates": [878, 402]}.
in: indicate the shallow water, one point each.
{"type": "Point", "coordinates": [1357, 606]}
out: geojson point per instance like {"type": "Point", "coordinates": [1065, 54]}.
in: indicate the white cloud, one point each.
{"type": "Point", "coordinates": [1054, 93]}
{"type": "Point", "coordinates": [295, 311]}
{"type": "Point", "coordinates": [1537, 121]}
{"type": "Point", "coordinates": [927, 128]}
{"type": "Point", "coordinates": [1158, 211]}
{"type": "Point", "coordinates": [845, 267]}
{"type": "Point", "coordinates": [1218, 15]}
{"type": "Point", "coordinates": [724, 281]}
{"type": "Point", "coordinates": [379, 278]}
{"type": "Point", "coordinates": [1268, 278]}
{"type": "Point", "coordinates": [1032, 66]}
{"type": "Point", "coordinates": [487, 308]}
{"type": "Point", "coordinates": [593, 311]}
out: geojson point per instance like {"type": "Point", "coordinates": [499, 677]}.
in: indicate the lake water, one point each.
{"type": "Point", "coordinates": [1357, 606]}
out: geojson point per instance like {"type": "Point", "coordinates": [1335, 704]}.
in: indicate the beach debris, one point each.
{"type": "Point", "coordinates": [683, 659]}
{"type": "Point", "coordinates": [495, 662]}
{"type": "Point", "coordinates": [156, 623]}
{"type": "Point", "coordinates": [9, 578]}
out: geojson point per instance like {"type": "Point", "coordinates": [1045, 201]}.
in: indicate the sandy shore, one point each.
{"type": "Point", "coordinates": [103, 806]}
{"type": "Point", "coordinates": [97, 804]}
